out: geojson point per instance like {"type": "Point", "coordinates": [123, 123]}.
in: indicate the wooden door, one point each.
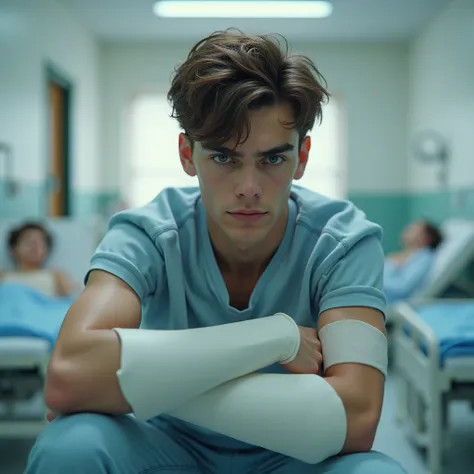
{"type": "Point", "coordinates": [57, 159]}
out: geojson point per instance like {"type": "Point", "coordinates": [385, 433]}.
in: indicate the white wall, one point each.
{"type": "Point", "coordinates": [31, 34]}
{"type": "Point", "coordinates": [442, 92]}
{"type": "Point", "coordinates": [373, 80]}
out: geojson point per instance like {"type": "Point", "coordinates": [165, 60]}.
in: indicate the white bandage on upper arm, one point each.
{"type": "Point", "coordinates": [354, 341]}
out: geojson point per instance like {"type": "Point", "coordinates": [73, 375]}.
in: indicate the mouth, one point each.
{"type": "Point", "coordinates": [248, 216]}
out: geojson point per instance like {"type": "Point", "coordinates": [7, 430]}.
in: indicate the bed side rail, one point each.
{"type": "Point", "coordinates": [416, 350]}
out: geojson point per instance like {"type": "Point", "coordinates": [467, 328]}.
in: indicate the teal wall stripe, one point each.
{"type": "Point", "coordinates": [391, 211]}
{"type": "Point", "coordinates": [29, 202]}
{"type": "Point", "coordinates": [92, 203]}
{"type": "Point", "coordinates": [394, 211]}
{"type": "Point", "coordinates": [441, 205]}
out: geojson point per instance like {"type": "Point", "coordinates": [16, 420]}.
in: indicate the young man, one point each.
{"type": "Point", "coordinates": [407, 272]}
{"type": "Point", "coordinates": [204, 310]}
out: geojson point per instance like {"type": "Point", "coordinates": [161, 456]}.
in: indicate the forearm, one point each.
{"type": "Point", "coordinates": [300, 416]}
{"type": "Point", "coordinates": [363, 406]}
{"type": "Point", "coordinates": [84, 379]}
{"type": "Point", "coordinates": [162, 370]}
{"type": "Point", "coordinates": [149, 372]}
{"type": "Point", "coordinates": [355, 362]}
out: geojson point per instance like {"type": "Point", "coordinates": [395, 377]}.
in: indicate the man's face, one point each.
{"type": "Point", "coordinates": [245, 191]}
{"type": "Point", "coordinates": [31, 249]}
{"type": "Point", "coordinates": [415, 235]}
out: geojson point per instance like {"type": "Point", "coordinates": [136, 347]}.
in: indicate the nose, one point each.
{"type": "Point", "coordinates": [248, 185]}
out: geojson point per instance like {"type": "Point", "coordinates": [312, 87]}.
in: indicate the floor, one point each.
{"type": "Point", "coordinates": [459, 457]}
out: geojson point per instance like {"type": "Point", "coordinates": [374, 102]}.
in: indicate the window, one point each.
{"type": "Point", "coordinates": [325, 172]}
{"type": "Point", "coordinates": [155, 161]}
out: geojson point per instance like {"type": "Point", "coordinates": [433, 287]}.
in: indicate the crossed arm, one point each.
{"type": "Point", "coordinates": [230, 397]}
{"type": "Point", "coordinates": [239, 407]}
{"type": "Point", "coordinates": [360, 387]}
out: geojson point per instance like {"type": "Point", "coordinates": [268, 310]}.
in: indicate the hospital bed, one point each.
{"type": "Point", "coordinates": [433, 345]}
{"type": "Point", "coordinates": [25, 359]}
{"type": "Point", "coordinates": [454, 258]}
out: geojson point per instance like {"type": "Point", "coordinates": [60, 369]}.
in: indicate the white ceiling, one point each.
{"type": "Point", "coordinates": [352, 20]}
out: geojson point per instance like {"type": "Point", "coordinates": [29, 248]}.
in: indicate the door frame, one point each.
{"type": "Point", "coordinates": [53, 73]}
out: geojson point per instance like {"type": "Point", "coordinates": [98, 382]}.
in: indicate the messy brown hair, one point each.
{"type": "Point", "coordinates": [433, 233]}
{"type": "Point", "coordinates": [17, 233]}
{"type": "Point", "coordinates": [228, 73]}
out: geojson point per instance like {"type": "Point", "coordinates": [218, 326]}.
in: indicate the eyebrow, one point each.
{"type": "Point", "coordinates": [272, 151]}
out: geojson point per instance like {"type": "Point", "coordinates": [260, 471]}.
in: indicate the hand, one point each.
{"type": "Point", "coordinates": [398, 258]}
{"type": "Point", "coordinates": [50, 416]}
{"type": "Point", "coordinates": [309, 358]}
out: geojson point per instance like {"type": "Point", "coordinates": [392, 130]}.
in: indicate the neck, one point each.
{"type": "Point", "coordinates": [25, 267]}
{"type": "Point", "coordinates": [246, 262]}
{"type": "Point", "coordinates": [243, 263]}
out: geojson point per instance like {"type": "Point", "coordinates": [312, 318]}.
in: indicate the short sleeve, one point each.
{"type": "Point", "coordinates": [128, 252]}
{"type": "Point", "coordinates": [356, 279]}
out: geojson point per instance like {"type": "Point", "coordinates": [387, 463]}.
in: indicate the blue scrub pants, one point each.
{"type": "Point", "coordinates": [100, 444]}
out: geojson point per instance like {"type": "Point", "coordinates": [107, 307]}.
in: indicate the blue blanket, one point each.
{"type": "Point", "coordinates": [453, 324]}
{"type": "Point", "coordinates": [25, 312]}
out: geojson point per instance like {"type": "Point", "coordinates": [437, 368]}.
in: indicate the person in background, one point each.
{"type": "Point", "coordinates": [406, 272]}
{"type": "Point", "coordinates": [30, 245]}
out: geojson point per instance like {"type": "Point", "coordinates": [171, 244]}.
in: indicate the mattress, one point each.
{"type": "Point", "coordinates": [24, 346]}
{"type": "Point", "coordinates": [453, 325]}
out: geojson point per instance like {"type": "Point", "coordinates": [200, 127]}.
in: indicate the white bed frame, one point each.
{"type": "Point", "coordinates": [452, 257]}
{"type": "Point", "coordinates": [83, 237]}
{"type": "Point", "coordinates": [12, 426]}
{"type": "Point", "coordinates": [424, 389]}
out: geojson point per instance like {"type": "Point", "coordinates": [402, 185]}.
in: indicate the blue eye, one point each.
{"type": "Point", "coordinates": [274, 160]}
{"type": "Point", "coordinates": [221, 159]}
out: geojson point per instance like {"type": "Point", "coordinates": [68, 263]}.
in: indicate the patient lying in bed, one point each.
{"type": "Point", "coordinates": [30, 246]}
{"type": "Point", "coordinates": [407, 272]}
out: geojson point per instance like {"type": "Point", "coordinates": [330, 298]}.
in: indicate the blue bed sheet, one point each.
{"type": "Point", "coordinates": [25, 312]}
{"type": "Point", "coordinates": [453, 324]}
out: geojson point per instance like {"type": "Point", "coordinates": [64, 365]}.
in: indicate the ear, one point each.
{"type": "Point", "coordinates": [303, 158]}
{"type": "Point", "coordinates": [186, 155]}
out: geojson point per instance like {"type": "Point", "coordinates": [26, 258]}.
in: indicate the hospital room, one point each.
{"type": "Point", "coordinates": [349, 126]}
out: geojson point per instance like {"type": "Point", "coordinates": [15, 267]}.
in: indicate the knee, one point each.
{"type": "Point", "coordinates": [69, 443]}
{"type": "Point", "coordinates": [375, 462]}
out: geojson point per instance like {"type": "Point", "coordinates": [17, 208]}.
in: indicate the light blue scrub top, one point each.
{"type": "Point", "coordinates": [330, 256]}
